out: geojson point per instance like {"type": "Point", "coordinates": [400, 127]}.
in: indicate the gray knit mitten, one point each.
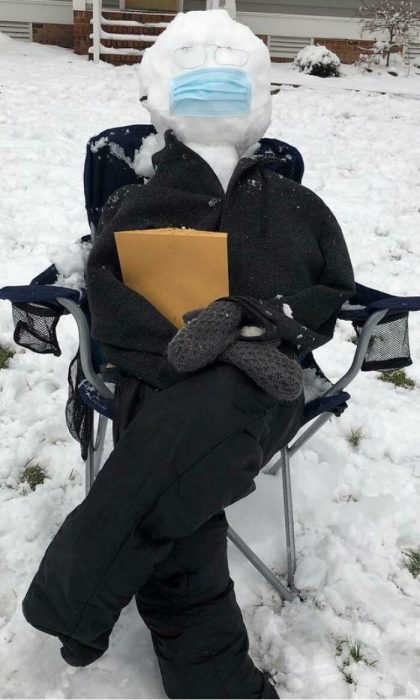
{"type": "Point", "coordinates": [277, 372]}
{"type": "Point", "coordinates": [206, 335]}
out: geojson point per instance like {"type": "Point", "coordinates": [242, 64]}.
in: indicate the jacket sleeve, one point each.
{"type": "Point", "coordinates": [307, 319]}
{"type": "Point", "coordinates": [120, 316]}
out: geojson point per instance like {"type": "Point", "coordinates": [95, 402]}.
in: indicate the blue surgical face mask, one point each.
{"type": "Point", "coordinates": [211, 92]}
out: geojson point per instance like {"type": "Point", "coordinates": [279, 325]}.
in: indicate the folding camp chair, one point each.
{"type": "Point", "coordinates": [380, 321]}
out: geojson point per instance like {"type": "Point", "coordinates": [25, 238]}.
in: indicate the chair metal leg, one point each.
{"type": "Point", "coordinates": [290, 592]}
{"type": "Point", "coordinates": [281, 589]}
{"type": "Point", "coordinates": [89, 466]}
{"type": "Point", "coordinates": [288, 518]}
{"type": "Point", "coordinates": [100, 441]}
{"type": "Point", "coordinates": [95, 451]}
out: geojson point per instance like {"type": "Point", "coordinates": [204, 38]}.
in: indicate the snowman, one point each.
{"type": "Point", "coordinates": [187, 442]}
{"type": "Point", "coordinates": [207, 77]}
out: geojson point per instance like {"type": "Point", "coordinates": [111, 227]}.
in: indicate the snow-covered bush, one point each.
{"type": "Point", "coordinates": [375, 56]}
{"type": "Point", "coordinates": [318, 60]}
{"type": "Point", "coordinates": [379, 58]}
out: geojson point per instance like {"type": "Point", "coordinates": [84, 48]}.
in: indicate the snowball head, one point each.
{"type": "Point", "coordinates": [207, 29]}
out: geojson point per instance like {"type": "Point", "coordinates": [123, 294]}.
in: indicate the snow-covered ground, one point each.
{"type": "Point", "coordinates": [356, 509]}
{"type": "Point", "coordinates": [351, 78]}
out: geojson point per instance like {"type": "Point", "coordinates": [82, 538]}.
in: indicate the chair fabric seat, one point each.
{"type": "Point", "coordinates": [336, 403]}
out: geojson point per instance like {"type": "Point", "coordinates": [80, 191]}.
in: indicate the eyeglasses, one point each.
{"type": "Point", "coordinates": [195, 56]}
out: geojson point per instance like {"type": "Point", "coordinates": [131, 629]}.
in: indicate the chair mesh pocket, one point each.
{"type": "Point", "coordinates": [79, 416]}
{"type": "Point", "coordinates": [35, 326]}
{"type": "Point", "coordinates": [389, 346]}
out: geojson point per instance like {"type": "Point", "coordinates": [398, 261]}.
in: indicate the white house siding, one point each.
{"type": "Point", "coordinates": [345, 8]}
{"type": "Point", "coordinates": [298, 26]}
{"type": "Point", "coordinates": [302, 18]}
{"type": "Point", "coordinates": [327, 8]}
{"type": "Point", "coordinates": [270, 19]}
{"type": "Point", "coordinates": [51, 11]}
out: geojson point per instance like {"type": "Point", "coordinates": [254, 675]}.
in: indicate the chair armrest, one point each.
{"type": "Point", "coordinates": [336, 390]}
{"type": "Point", "coordinates": [367, 300]}
{"type": "Point", "coordinates": [36, 311]}
{"type": "Point", "coordinates": [359, 355]}
{"type": "Point", "coordinates": [39, 294]}
{"type": "Point", "coordinates": [398, 304]}
{"type": "Point", "coordinates": [42, 289]}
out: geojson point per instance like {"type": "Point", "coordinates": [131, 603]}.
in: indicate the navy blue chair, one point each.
{"type": "Point", "coordinates": [380, 321]}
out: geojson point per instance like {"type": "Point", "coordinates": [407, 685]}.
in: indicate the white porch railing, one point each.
{"type": "Point", "coordinates": [96, 29]}
{"type": "Point", "coordinates": [229, 5]}
{"type": "Point", "coordinates": [99, 33]}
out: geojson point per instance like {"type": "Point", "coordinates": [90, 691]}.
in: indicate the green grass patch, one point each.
{"type": "Point", "coordinates": [397, 377]}
{"type": "Point", "coordinates": [5, 356]}
{"type": "Point", "coordinates": [351, 499]}
{"type": "Point", "coordinates": [355, 652]}
{"type": "Point", "coordinates": [339, 646]}
{"type": "Point", "coordinates": [412, 560]}
{"type": "Point", "coordinates": [351, 652]}
{"type": "Point", "coordinates": [33, 475]}
{"type": "Point", "coordinates": [349, 678]}
{"type": "Point", "coordinates": [355, 437]}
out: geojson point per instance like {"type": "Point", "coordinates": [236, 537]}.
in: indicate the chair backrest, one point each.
{"type": "Point", "coordinates": [110, 159]}
{"type": "Point", "coordinates": [109, 165]}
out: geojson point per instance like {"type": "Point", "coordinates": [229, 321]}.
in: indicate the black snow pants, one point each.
{"type": "Point", "coordinates": [189, 603]}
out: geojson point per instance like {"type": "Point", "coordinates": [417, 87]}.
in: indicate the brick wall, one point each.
{"type": "Point", "coordinates": [77, 37]}
{"type": "Point", "coordinates": [347, 50]}
{"type": "Point", "coordinates": [55, 34]}
{"type": "Point", "coordinates": [81, 31]}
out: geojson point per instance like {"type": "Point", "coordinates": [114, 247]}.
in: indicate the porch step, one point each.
{"type": "Point", "coordinates": [125, 35]}
{"type": "Point", "coordinates": [138, 17]}
{"type": "Point", "coordinates": [125, 43]}
{"type": "Point", "coordinates": [117, 59]}
{"type": "Point", "coordinates": [132, 30]}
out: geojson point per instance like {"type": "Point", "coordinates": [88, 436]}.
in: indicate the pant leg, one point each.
{"type": "Point", "coordinates": [189, 452]}
{"type": "Point", "coordinates": [225, 473]}
{"type": "Point", "coordinates": [197, 628]}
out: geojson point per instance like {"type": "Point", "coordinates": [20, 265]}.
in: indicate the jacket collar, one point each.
{"type": "Point", "coordinates": [198, 177]}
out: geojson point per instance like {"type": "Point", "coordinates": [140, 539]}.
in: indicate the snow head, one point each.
{"type": "Point", "coordinates": [207, 77]}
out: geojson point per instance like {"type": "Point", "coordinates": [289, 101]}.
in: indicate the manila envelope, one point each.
{"type": "Point", "coordinates": [176, 270]}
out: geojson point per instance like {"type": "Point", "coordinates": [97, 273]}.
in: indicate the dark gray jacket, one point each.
{"type": "Point", "coordinates": [282, 240]}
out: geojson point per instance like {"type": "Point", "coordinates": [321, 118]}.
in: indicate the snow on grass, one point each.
{"type": "Point", "coordinates": [357, 631]}
{"type": "Point", "coordinates": [351, 77]}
